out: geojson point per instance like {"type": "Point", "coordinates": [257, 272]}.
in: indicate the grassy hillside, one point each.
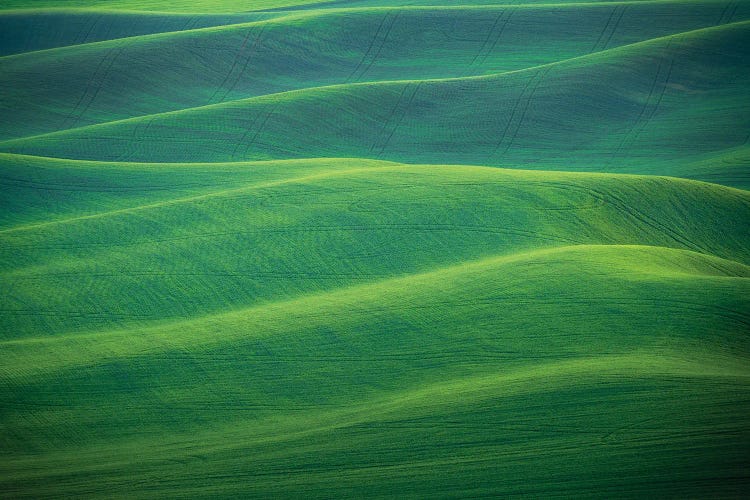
{"type": "Point", "coordinates": [279, 249]}
{"type": "Point", "coordinates": [647, 107]}
{"type": "Point", "coordinates": [204, 6]}
{"type": "Point", "coordinates": [33, 30]}
{"type": "Point", "coordinates": [99, 82]}
{"type": "Point", "coordinates": [381, 304]}
{"type": "Point", "coordinates": [225, 6]}
{"type": "Point", "coordinates": [477, 378]}
{"type": "Point", "coordinates": [312, 225]}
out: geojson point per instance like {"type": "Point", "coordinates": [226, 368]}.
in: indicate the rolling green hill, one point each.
{"type": "Point", "coordinates": [477, 378]}
{"type": "Point", "coordinates": [312, 225]}
{"type": "Point", "coordinates": [374, 248]}
{"type": "Point", "coordinates": [94, 83]}
{"type": "Point", "coordinates": [652, 107]}
{"type": "Point", "coordinates": [34, 30]}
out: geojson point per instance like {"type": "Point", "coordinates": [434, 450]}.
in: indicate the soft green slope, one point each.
{"type": "Point", "coordinates": [643, 108]}
{"type": "Point", "coordinates": [29, 30]}
{"type": "Point", "coordinates": [205, 6]}
{"type": "Point", "coordinates": [94, 83]}
{"type": "Point", "coordinates": [729, 168]}
{"type": "Point", "coordinates": [229, 6]}
{"type": "Point", "coordinates": [311, 226]}
{"type": "Point", "coordinates": [252, 252]}
{"type": "Point", "coordinates": [480, 377]}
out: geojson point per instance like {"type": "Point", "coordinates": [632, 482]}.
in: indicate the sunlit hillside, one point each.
{"type": "Point", "coordinates": [374, 248]}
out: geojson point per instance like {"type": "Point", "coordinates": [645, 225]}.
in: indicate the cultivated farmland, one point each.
{"type": "Point", "coordinates": [374, 248]}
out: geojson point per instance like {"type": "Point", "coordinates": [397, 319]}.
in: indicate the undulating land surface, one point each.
{"type": "Point", "coordinates": [278, 248]}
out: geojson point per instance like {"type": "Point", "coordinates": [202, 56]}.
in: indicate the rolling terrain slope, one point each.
{"type": "Point", "coordinates": [30, 31]}
{"type": "Point", "coordinates": [311, 225]}
{"type": "Point", "coordinates": [283, 249]}
{"type": "Point", "coordinates": [91, 83]}
{"type": "Point", "coordinates": [648, 107]}
{"type": "Point", "coordinates": [450, 378]}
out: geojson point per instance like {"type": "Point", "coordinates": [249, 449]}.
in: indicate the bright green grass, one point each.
{"type": "Point", "coordinates": [205, 6]}
{"type": "Point", "coordinates": [623, 361]}
{"type": "Point", "coordinates": [229, 6]}
{"type": "Point", "coordinates": [394, 330]}
{"type": "Point", "coordinates": [311, 225]}
{"type": "Point", "coordinates": [246, 255]}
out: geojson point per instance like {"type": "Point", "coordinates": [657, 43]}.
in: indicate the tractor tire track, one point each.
{"type": "Point", "coordinates": [488, 38]}
{"type": "Point", "coordinates": [382, 44]}
{"type": "Point", "coordinates": [497, 38]}
{"type": "Point", "coordinates": [93, 86]}
{"type": "Point", "coordinates": [614, 28]}
{"type": "Point", "coordinates": [253, 50]}
{"type": "Point", "coordinates": [649, 221]}
{"type": "Point", "coordinates": [404, 110]}
{"type": "Point", "coordinates": [541, 75]}
{"type": "Point", "coordinates": [517, 118]}
{"type": "Point", "coordinates": [731, 6]}
{"type": "Point", "coordinates": [231, 69]}
{"type": "Point", "coordinates": [604, 30]}
{"type": "Point", "coordinates": [390, 115]}
{"type": "Point", "coordinates": [657, 104]}
{"type": "Point", "coordinates": [369, 48]}
{"type": "Point", "coordinates": [260, 128]}
{"type": "Point", "coordinates": [504, 134]}
{"type": "Point", "coordinates": [648, 110]}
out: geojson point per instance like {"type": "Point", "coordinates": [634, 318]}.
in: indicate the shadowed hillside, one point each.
{"type": "Point", "coordinates": [314, 225]}
{"type": "Point", "coordinates": [356, 249]}
{"type": "Point", "coordinates": [644, 108]}
{"type": "Point", "coordinates": [99, 82]}
{"type": "Point", "coordinates": [29, 31]}
{"type": "Point", "coordinates": [504, 367]}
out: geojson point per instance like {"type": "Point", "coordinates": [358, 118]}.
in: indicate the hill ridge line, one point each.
{"type": "Point", "coordinates": [188, 199]}
{"type": "Point", "coordinates": [321, 6]}
{"type": "Point", "coordinates": [376, 165]}
{"type": "Point", "coordinates": [126, 164]}
{"type": "Point", "coordinates": [692, 363]}
{"type": "Point", "coordinates": [290, 15]}
{"type": "Point", "coordinates": [310, 8]}
{"type": "Point", "coordinates": [289, 93]}
{"type": "Point", "coordinates": [150, 36]}
{"type": "Point", "coordinates": [142, 331]}
{"type": "Point", "coordinates": [124, 38]}
{"type": "Point", "coordinates": [370, 161]}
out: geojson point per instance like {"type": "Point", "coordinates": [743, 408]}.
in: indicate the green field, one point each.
{"type": "Point", "coordinates": [374, 248]}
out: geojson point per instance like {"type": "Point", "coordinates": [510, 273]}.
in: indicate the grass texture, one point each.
{"type": "Point", "coordinates": [281, 249]}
